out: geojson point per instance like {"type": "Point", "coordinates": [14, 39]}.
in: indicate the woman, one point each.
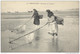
{"type": "Point", "coordinates": [36, 23]}
{"type": "Point", "coordinates": [36, 17]}
{"type": "Point", "coordinates": [53, 27]}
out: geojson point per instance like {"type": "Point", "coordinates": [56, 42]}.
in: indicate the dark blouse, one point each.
{"type": "Point", "coordinates": [36, 18]}
{"type": "Point", "coordinates": [35, 14]}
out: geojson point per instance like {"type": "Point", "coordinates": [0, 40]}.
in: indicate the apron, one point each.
{"type": "Point", "coordinates": [53, 27]}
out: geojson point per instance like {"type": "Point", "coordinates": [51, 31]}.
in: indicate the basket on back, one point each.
{"type": "Point", "coordinates": [40, 16]}
{"type": "Point", "coordinates": [59, 20]}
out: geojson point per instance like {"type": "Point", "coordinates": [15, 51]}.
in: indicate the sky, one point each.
{"type": "Point", "coordinates": [40, 6]}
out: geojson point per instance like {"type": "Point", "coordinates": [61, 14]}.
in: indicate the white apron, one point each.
{"type": "Point", "coordinates": [53, 27]}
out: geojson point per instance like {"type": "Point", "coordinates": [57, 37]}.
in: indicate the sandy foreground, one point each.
{"type": "Point", "coordinates": [67, 40]}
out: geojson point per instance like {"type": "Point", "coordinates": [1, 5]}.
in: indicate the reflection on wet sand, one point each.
{"type": "Point", "coordinates": [53, 45]}
{"type": "Point", "coordinates": [38, 45]}
{"type": "Point", "coordinates": [43, 42]}
{"type": "Point", "coordinates": [36, 38]}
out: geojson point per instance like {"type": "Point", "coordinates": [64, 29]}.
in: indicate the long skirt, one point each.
{"type": "Point", "coordinates": [53, 27]}
{"type": "Point", "coordinates": [36, 21]}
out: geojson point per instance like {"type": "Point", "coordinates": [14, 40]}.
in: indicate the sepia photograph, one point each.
{"type": "Point", "coordinates": [40, 26]}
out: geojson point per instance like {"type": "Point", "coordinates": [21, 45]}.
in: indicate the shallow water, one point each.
{"type": "Point", "coordinates": [67, 40]}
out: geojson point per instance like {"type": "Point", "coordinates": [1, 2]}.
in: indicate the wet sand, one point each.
{"type": "Point", "coordinates": [67, 40]}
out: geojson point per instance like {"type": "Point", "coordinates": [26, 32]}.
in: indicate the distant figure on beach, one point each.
{"type": "Point", "coordinates": [53, 26]}
{"type": "Point", "coordinates": [36, 17]}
